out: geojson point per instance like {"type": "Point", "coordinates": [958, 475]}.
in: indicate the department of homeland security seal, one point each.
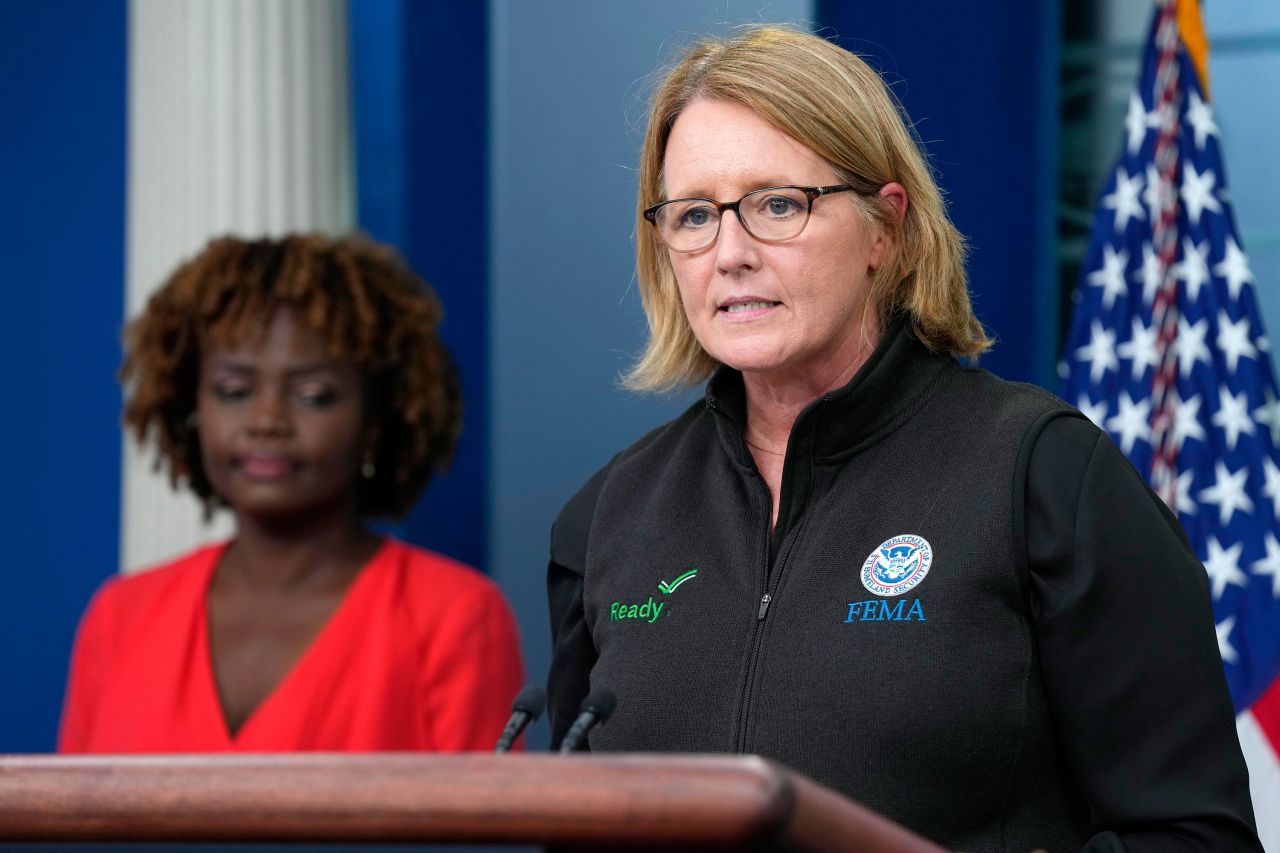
{"type": "Point", "coordinates": [899, 564]}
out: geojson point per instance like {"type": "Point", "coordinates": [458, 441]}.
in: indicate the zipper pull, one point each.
{"type": "Point", "coordinates": [764, 606]}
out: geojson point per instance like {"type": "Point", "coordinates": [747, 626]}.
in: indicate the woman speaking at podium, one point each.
{"type": "Point", "coordinates": [301, 383]}
{"type": "Point", "coordinates": [946, 596]}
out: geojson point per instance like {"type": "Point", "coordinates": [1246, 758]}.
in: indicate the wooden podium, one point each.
{"type": "Point", "coordinates": [588, 802]}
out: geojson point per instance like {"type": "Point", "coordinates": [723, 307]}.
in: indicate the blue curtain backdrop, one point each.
{"type": "Point", "coordinates": [980, 81]}
{"type": "Point", "coordinates": [419, 92]}
{"type": "Point", "coordinates": [62, 195]}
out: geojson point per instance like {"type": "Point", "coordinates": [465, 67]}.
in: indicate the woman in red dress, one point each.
{"type": "Point", "coordinates": [301, 383]}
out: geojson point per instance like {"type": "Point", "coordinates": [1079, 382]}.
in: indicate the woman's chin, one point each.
{"type": "Point", "coordinates": [751, 356]}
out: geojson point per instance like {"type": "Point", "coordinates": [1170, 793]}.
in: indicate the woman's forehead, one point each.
{"type": "Point", "coordinates": [716, 146]}
{"type": "Point", "coordinates": [279, 330]}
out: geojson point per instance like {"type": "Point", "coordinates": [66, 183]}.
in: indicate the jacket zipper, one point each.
{"type": "Point", "coordinates": [744, 695]}
{"type": "Point", "coordinates": [768, 573]}
{"type": "Point", "coordinates": [772, 575]}
{"type": "Point", "coordinates": [757, 633]}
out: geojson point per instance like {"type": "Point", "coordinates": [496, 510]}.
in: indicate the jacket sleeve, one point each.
{"type": "Point", "coordinates": [573, 651]}
{"type": "Point", "coordinates": [1126, 635]}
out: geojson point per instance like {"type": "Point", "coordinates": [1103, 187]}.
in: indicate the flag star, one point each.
{"type": "Point", "coordinates": [1186, 420]}
{"type": "Point", "coordinates": [1270, 565]}
{"type": "Point", "coordinates": [1156, 193]}
{"type": "Point", "coordinates": [1271, 488]}
{"type": "Point", "coordinates": [1190, 345]}
{"type": "Point", "coordinates": [1124, 201]}
{"type": "Point", "coordinates": [1111, 275]}
{"type": "Point", "coordinates": [1232, 416]}
{"type": "Point", "coordinates": [1182, 501]}
{"type": "Point", "coordinates": [1151, 274]}
{"type": "Point", "coordinates": [1223, 566]}
{"type": "Point", "coordinates": [1233, 340]}
{"type": "Point", "coordinates": [1132, 423]}
{"type": "Point", "coordinates": [1140, 349]}
{"type": "Point", "coordinates": [1234, 267]}
{"type": "Point", "coordinates": [1193, 269]}
{"type": "Point", "coordinates": [1200, 117]}
{"type": "Point", "coordinates": [1224, 629]}
{"type": "Point", "coordinates": [1197, 192]}
{"type": "Point", "coordinates": [1096, 412]}
{"type": "Point", "coordinates": [1269, 414]}
{"type": "Point", "coordinates": [1136, 123]}
{"type": "Point", "coordinates": [1100, 352]}
{"type": "Point", "coordinates": [1227, 492]}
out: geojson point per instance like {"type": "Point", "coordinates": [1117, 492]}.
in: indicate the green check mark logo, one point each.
{"type": "Point", "coordinates": [668, 587]}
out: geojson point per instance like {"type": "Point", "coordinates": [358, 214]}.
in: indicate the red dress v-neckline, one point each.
{"type": "Point", "coordinates": [421, 653]}
{"type": "Point", "coordinates": [209, 681]}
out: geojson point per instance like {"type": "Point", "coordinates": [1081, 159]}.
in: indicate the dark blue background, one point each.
{"type": "Point", "coordinates": [980, 81]}
{"type": "Point", "coordinates": [62, 208]}
{"type": "Point", "coordinates": [421, 186]}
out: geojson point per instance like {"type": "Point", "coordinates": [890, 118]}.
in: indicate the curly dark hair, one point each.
{"type": "Point", "coordinates": [359, 296]}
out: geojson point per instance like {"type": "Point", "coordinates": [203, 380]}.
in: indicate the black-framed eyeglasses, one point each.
{"type": "Point", "coordinates": [771, 214]}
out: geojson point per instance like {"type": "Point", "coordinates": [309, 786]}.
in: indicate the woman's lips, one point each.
{"type": "Point", "coordinates": [748, 308]}
{"type": "Point", "coordinates": [265, 466]}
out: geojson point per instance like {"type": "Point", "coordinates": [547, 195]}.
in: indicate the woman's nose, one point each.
{"type": "Point", "coordinates": [735, 247]}
{"type": "Point", "coordinates": [270, 414]}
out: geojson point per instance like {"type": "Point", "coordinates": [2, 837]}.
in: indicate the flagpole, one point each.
{"type": "Point", "coordinates": [1165, 240]}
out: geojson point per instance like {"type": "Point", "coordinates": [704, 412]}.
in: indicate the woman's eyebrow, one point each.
{"type": "Point", "coordinates": [750, 187]}
{"type": "Point", "coordinates": [338, 368]}
{"type": "Point", "coordinates": [236, 365]}
{"type": "Point", "coordinates": [233, 364]}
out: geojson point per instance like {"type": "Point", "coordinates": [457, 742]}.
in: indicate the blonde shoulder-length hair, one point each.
{"type": "Point", "coordinates": [834, 103]}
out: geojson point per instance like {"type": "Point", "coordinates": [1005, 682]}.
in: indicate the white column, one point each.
{"type": "Point", "coordinates": [239, 122]}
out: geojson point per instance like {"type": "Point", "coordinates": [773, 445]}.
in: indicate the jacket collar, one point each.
{"type": "Point", "coordinates": [893, 383]}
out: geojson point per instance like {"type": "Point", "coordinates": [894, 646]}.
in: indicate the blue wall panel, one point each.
{"type": "Point", "coordinates": [62, 166]}
{"type": "Point", "coordinates": [980, 82]}
{"type": "Point", "coordinates": [376, 29]}
{"type": "Point", "coordinates": [419, 74]}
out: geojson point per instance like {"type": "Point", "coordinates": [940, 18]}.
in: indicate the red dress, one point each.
{"type": "Point", "coordinates": [420, 654]}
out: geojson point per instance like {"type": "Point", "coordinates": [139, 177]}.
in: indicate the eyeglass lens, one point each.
{"type": "Point", "coordinates": [770, 214]}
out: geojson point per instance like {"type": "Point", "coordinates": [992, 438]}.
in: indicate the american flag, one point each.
{"type": "Point", "coordinates": [1167, 352]}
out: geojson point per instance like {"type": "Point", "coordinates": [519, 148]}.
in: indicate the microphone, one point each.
{"type": "Point", "coordinates": [594, 710]}
{"type": "Point", "coordinates": [526, 708]}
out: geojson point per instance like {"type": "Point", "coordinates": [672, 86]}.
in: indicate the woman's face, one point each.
{"type": "Point", "coordinates": [800, 301]}
{"type": "Point", "coordinates": [282, 428]}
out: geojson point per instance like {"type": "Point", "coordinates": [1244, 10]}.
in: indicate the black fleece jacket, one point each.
{"type": "Point", "coordinates": [971, 616]}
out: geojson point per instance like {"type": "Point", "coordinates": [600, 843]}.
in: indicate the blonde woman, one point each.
{"type": "Point", "coordinates": [947, 596]}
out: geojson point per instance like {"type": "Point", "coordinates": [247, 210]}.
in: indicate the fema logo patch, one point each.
{"type": "Point", "coordinates": [899, 564]}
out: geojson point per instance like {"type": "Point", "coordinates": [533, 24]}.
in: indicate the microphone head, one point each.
{"type": "Point", "coordinates": [600, 701]}
{"type": "Point", "coordinates": [531, 699]}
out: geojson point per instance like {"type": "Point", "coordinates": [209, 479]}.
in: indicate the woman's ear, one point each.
{"type": "Point", "coordinates": [892, 196]}
{"type": "Point", "coordinates": [896, 195]}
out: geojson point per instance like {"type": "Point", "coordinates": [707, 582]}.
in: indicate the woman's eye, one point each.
{"type": "Point", "coordinates": [230, 391]}
{"type": "Point", "coordinates": [316, 396]}
{"type": "Point", "coordinates": [696, 217]}
{"type": "Point", "coordinates": [780, 207]}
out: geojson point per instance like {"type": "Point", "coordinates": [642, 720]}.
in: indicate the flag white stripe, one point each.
{"type": "Point", "coordinates": [1264, 780]}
